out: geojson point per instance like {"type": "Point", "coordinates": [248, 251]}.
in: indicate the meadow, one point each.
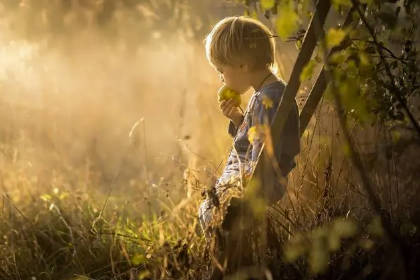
{"type": "Point", "coordinates": [111, 131]}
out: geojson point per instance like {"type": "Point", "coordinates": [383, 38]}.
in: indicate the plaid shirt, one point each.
{"type": "Point", "coordinates": [261, 109]}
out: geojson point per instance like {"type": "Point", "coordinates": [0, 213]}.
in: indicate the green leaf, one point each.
{"type": "Point", "coordinates": [341, 3]}
{"type": "Point", "coordinates": [349, 90]}
{"type": "Point", "coordinates": [295, 248]}
{"type": "Point", "coordinates": [395, 136]}
{"type": "Point", "coordinates": [318, 259]}
{"type": "Point", "coordinates": [287, 20]}
{"type": "Point", "coordinates": [307, 70]}
{"type": "Point", "coordinates": [333, 241]}
{"type": "Point", "coordinates": [365, 65]}
{"type": "Point", "coordinates": [267, 4]}
{"type": "Point", "coordinates": [334, 37]}
{"type": "Point", "coordinates": [138, 259]}
{"type": "Point", "coordinates": [46, 197]}
{"type": "Point", "coordinates": [256, 133]}
{"type": "Point", "coordinates": [319, 255]}
{"type": "Point", "coordinates": [366, 244]}
{"type": "Point", "coordinates": [375, 227]}
{"type": "Point", "coordinates": [267, 102]}
{"type": "Point", "coordinates": [258, 206]}
{"type": "Point", "coordinates": [339, 57]}
{"type": "Point", "coordinates": [252, 187]}
{"type": "Point", "coordinates": [252, 134]}
{"type": "Point", "coordinates": [79, 277]}
{"type": "Point", "coordinates": [346, 149]}
{"type": "Point", "coordinates": [254, 14]}
{"type": "Point", "coordinates": [144, 274]}
{"type": "Point", "coordinates": [344, 228]}
{"type": "Point", "coordinates": [298, 44]}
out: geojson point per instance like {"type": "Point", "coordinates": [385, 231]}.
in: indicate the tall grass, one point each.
{"type": "Point", "coordinates": [82, 200]}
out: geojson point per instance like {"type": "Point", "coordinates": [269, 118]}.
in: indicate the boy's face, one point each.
{"type": "Point", "coordinates": [235, 77]}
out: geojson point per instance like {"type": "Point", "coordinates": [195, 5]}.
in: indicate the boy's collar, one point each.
{"type": "Point", "coordinates": [258, 92]}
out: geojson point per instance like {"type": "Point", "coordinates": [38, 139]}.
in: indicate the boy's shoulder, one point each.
{"type": "Point", "coordinates": [273, 91]}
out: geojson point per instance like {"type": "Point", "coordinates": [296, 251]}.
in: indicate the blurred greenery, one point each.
{"type": "Point", "coordinates": [78, 202]}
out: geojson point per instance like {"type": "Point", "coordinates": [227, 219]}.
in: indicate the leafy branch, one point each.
{"type": "Point", "coordinates": [355, 156]}
{"type": "Point", "coordinates": [380, 50]}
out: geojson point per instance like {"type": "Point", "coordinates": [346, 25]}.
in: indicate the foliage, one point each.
{"type": "Point", "coordinates": [381, 94]}
{"type": "Point", "coordinates": [323, 229]}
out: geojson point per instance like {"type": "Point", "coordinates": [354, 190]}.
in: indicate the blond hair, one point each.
{"type": "Point", "coordinates": [238, 39]}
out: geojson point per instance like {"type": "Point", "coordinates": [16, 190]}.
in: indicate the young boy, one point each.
{"type": "Point", "coordinates": [242, 50]}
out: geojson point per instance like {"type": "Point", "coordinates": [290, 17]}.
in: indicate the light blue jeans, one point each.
{"type": "Point", "coordinates": [231, 172]}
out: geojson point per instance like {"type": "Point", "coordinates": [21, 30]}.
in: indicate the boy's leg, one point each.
{"type": "Point", "coordinates": [213, 240]}
{"type": "Point", "coordinates": [204, 216]}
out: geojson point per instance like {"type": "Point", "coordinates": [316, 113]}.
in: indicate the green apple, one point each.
{"type": "Point", "coordinates": [226, 93]}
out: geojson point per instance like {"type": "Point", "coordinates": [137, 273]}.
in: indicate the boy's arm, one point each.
{"type": "Point", "coordinates": [233, 126]}
{"type": "Point", "coordinates": [290, 144]}
{"type": "Point", "coordinates": [284, 150]}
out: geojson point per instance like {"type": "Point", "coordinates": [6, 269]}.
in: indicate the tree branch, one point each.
{"type": "Point", "coordinates": [379, 49]}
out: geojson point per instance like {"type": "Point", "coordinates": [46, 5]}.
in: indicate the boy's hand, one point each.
{"type": "Point", "coordinates": [230, 110]}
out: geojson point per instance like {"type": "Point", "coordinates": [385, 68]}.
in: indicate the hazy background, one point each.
{"type": "Point", "coordinates": [75, 76]}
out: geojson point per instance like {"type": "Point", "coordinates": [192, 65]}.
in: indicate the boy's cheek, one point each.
{"type": "Point", "coordinates": [231, 83]}
{"type": "Point", "coordinates": [236, 86]}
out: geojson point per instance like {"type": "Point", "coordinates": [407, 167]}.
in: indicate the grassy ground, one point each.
{"type": "Point", "coordinates": [79, 201]}
{"type": "Point", "coordinates": [64, 227]}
